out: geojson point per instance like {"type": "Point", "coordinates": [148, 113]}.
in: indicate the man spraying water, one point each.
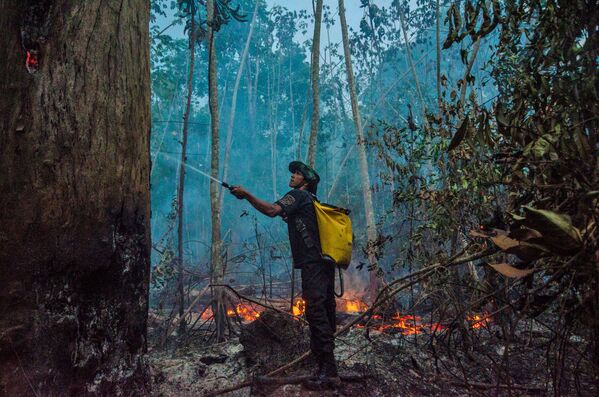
{"type": "Point", "coordinates": [318, 276]}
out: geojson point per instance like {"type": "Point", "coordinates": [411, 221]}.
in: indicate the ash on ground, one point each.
{"type": "Point", "coordinates": [378, 363]}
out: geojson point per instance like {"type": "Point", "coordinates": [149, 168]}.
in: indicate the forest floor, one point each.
{"type": "Point", "coordinates": [373, 363]}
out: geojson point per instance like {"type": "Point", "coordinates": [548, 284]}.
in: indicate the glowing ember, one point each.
{"type": "Point", "coordinates": [406, 324]}
{"type": "Point", "coordinates": [31, 63]}
{"type": "Point", "coordinates": [409, 325]}
{"type": "Point", "coordinates": [478, 321]}
{"type": "Point", "coordinates": [207, 315]}
{"type": "Point", "coordinates": [352, 306]}
{"type": "Point", "coordinates": [299, 307]}
{"type": "Point", "coordinates": [246, 312]}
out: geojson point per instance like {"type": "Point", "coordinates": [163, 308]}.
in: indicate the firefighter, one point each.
{"type": "Point", "coordinates": [318, 276]}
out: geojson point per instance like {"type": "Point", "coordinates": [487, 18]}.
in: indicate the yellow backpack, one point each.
{"type": "Point", "coordinates": [334, 228]}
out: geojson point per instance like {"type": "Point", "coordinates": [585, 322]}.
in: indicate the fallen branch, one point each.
{"type": "Point", "coordinates": [291, 380]}
{"type": "Point", "coordinates": [171, 328]}
{"type": "Point", "coordinates": [381, 299]}
{"type": "Point", "coordinates": [240, 296]}
{"type": "Point", "coordinates": [480, 385]}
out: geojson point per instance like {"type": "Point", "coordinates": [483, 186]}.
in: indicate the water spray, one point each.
{"type": "Point", "coordinates": [224, 184]}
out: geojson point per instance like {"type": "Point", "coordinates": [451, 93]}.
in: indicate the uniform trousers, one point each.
{"type": "Point", "coordinates": [318, 291]}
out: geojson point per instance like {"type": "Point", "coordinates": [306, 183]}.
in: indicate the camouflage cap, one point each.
{"type": "Point", "coordinates": [308, 172]}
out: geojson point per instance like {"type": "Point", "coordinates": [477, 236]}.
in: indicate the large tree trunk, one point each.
{"type": "Point", "coordinates": [74, 202]}
{"type": "Point", "coordinates": [314, 78]}
{"type": "Point", "coordinates": [371, 231]}
{"type": "Point", "coordinates": [217, 264]}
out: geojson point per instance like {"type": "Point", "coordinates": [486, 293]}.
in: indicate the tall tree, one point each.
{"type": "Point", "coordinates": [217, 265]}
{"type": "Point", "coordinates": [438, 48]}
{"type": "Point", "coordinates": [190, 9]}
{"type": "Point", "coordinates": [314, 78]}
{"type": "Point", "coordinates": [75, 204]}
{"type": "Point", "coordinates": [230, 124]}
{"type": "Point", "coordinates": [411, 62]}
{"type": "Point", "coordinates": [371, 231]}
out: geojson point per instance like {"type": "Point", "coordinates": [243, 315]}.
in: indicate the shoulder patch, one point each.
{"type": "Point", "coordinates": [287, 200]}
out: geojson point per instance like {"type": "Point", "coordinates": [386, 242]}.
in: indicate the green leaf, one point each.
{"type": "Point", "coordinates": [541, 147]}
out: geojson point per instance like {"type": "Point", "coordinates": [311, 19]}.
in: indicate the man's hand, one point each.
{"type": "Point", "coordinates": [239, 192]}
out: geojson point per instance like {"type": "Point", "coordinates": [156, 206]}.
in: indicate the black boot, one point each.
{"type": "Point", "coordinates": [317, 369]}
{"type": "Point", "coordinates": [327, 377]}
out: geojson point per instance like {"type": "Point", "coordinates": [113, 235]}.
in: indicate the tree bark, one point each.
{"type": "Point", "coordinates": [438, 44]}
{"type": "Point", "coordinates": [75, 202]}
{"type": "Point", "coordinates": [217, 265]}
{"type": "Point", "coordinates": [371, 231]}
{"type": "Point", "coordinates": [181, 184]}
{"type": "Point", "coordinates": [314, 77]}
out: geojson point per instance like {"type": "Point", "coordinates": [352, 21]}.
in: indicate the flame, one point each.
{"type": "Point", "coordinates": [31, 63]}
{"type": "Point", "coordinates": [31, 60]}
{"type": "Point", "coordinates": [207, 315]}
{"type": "Point", "coordinates": [245, 311]}
{"type": "Point", "coordinates": [478, 321]}
{"type": "Point", "coordinates": [299, 307]}
{"type": "Point", "coordinates": [406, 324]}
{"type": "Point", "coordinates": [409, 325]}
{"type": "Point", "coordinates": [353, 306]}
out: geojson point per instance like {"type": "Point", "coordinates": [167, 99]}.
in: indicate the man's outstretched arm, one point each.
{"type": "Point", "coordinates": [264, 207]}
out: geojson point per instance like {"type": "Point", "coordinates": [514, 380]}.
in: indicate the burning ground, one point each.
{"type": "Point", "coordinates": [383, 353]}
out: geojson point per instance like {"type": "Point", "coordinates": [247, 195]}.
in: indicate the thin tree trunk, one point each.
{"type": "Point", "coordinates": [233, 109]}
{"type": "Point", "coordinates": [181, 185]}
{"type": "Point", "coordinates": [336, 179]}
{"type": "Point", "coordinates": [467, 73]}
{"type": "Point", "coordinates": [217, 266]}
{"type": "Point", "coordinates": [438, 37]}
{"type": "Point", "coordinates": [314, 78]}
{"type": "Point", "coordinates": [371, 231]}
{"type": "Point", "coordinates": [171, 108]}
{"type": "Point", "coordinates": [291, 101]}
{"type": "Point", "coordinates": [75, 199]}
{"type": "Point", "coordinates": [412, 67]}
{"type": "Point", "coordinates": [274, 131]}
{"type": "Point", "coordinates": [254, 99]}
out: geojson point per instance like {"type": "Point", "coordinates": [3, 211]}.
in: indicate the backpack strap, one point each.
{"type": "Point", "coordinates": [300, 226]}
{"type": "Point", "coordinates": [340, 294]}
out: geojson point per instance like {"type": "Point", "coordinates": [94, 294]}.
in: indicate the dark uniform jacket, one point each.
{"type": "Point", "coordinates": [298, 211]}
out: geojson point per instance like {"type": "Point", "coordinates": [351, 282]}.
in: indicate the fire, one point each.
{"type": "Point", "coordinates": [207, 315]}
{"type": "Point", "coordinates": [299, 307]}
{"type": "Point", "coordinates": [478, 321]}
{"type": "Point", "coordinates": [246, 312]}
{"type": "Point", "coordinates": [406, 324]}
{"type": "Point", "coordinates": [353, 306]}
{"type": "Point", "coordinates": [409, 325]}
{"type": "Point", "coordinates": [31, 63]}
